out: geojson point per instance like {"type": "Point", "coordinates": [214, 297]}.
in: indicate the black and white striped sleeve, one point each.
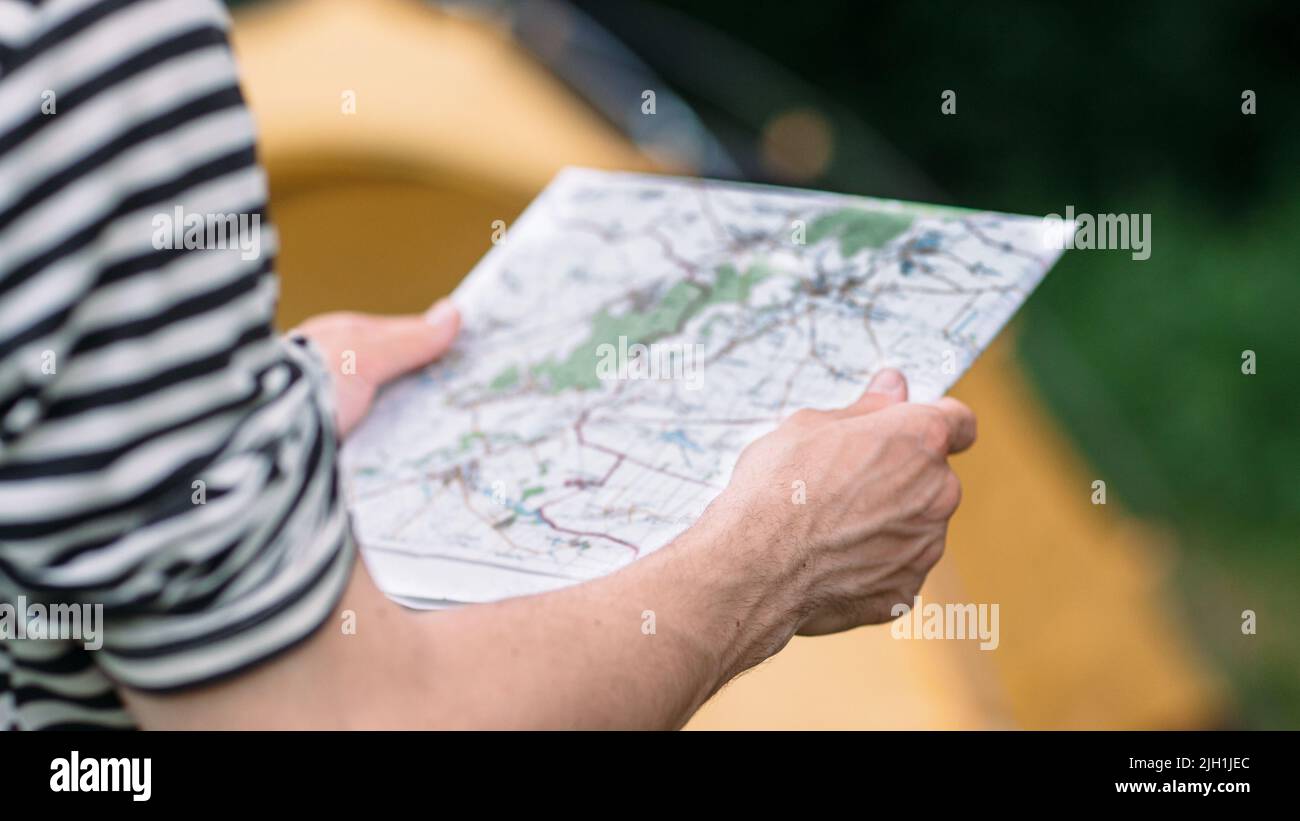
{"type": "Point", "coordinates": [162, 451]}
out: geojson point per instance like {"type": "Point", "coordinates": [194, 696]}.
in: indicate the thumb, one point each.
{"type": "Point", "coordinates": [394, 345]}
{"type": "Point", "coordinates": [887, 387]}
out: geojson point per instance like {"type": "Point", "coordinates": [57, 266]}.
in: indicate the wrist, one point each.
{"type": "Point", "coordinates": [742, 584]}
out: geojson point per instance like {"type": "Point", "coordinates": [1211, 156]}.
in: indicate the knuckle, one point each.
{"type": "Point", "coordinates": [928, 552]}
{"type": "Point", "coordinates": [927, 426]}
{"type": "Point", "coordinates": [935, 436]}
{"type": "Point", "coordinates": [954, 493]}
{"type": "Point", "coordinates": [933, 553]}
{"type": "Point", "coordinates": [948, 498]}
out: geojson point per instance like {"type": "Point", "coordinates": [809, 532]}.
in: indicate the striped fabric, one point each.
{"type": "Point", "coordinates": [162, 452]}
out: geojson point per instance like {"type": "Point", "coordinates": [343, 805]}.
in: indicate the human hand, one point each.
{"type": "Point", "coordinates": [364, 351]}
{"type": "Point", "coordinates": [878, 494]}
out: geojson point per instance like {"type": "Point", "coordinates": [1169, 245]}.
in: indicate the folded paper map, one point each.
{"type": "Point", "coordinates": [628, 337]}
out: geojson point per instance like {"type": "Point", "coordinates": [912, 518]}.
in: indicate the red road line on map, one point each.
{"type": "Point", "coordinates": [582, 440]}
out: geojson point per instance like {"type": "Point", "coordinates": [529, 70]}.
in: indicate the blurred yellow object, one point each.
{"type": "Point", "coordinates": [455, 127]}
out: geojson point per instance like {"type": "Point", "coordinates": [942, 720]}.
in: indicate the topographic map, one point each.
{"type": "Point", "coordinates": [626, 340]}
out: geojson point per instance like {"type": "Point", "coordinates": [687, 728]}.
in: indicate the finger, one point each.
{"type": "Point", "coordinates": [960, 421]}
{"type": "Point", "coordinates": [394, 345]}
{"type": "Point", "coordinates": [887, 387]}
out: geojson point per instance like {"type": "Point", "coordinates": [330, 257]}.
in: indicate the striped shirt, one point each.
{"type": "Point", "coordinates": [165, 457]}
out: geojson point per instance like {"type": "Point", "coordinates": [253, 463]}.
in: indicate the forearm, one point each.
{"type": "Point", "coordinates": [641, 648]}
{"type": "Point", "coordinates": [582, 657]}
